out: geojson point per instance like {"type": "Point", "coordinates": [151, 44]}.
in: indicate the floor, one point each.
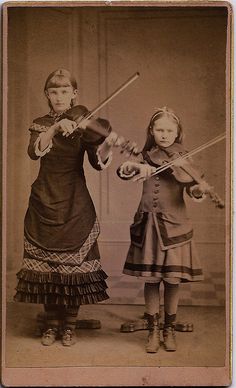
{"type": "Point", "coordinates": [205, 346]}
{"type": "Point", "coordinates": [125, 289]}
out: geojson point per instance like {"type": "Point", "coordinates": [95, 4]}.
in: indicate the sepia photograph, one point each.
{"type": "Point", "coordinates": [117, 193]}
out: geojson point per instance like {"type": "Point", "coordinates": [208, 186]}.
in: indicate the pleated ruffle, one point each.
{"type": "Point", "coordinates": [61, 289]}
{"type": "Point", "coordinates": [58, 278]}
{"type": "Point", "coordinates": [65, 300]}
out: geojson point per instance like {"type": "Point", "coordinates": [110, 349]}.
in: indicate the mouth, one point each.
{"type": "Point", "coordinates": [164, 143]}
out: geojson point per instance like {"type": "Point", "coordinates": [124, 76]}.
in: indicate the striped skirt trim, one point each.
{"type": "Point", "coordinates": [68, 258]}
{"type": "Point", "coordinates": [151, 261]}
{"type": "Point", "coordinates": [62, 278]}
{"type": "Point", "coordinates": [171, 273]}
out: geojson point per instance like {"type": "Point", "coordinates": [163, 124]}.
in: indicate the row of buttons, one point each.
{"type": "Point", "coordinates": [156, 191]}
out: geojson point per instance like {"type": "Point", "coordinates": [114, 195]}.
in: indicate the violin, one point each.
{"type": "Point", "coordinates": [97, 129]}
{"type": "Point", "coordinates": [177, 161]}
{"type": "Point", "coordinates": [158, 157]}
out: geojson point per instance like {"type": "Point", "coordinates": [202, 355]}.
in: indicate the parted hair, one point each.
{"type": "Point", "coordinates": [59, 78]}
{"type": "Point", "coordinates": [161, 112]}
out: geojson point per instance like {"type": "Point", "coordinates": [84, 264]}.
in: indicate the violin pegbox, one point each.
{"type": "Point", "coordinates": [129, 148]}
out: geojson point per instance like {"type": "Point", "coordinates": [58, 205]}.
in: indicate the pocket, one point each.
{"type": "Point", "coordinates": [138, 229]}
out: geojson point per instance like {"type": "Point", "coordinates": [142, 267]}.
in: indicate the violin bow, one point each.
{"type": "Point", "coordinates": [190, 153]}
{"type": "Point", "coordinates": [214, 196]}
{"type": "Point", "coordinates": [108, 99]}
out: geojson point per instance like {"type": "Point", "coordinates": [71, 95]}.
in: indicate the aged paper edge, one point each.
{"type": "Point", "coordinates": [127, 376]}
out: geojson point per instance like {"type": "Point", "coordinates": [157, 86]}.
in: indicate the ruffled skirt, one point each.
{"type": "Point", "coordinates": [62, 278]}
{"type": "Point", "coordinates": [152, 262]}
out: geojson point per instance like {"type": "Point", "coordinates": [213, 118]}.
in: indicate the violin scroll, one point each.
{"type": "Point", "coordinates": [216, 199]}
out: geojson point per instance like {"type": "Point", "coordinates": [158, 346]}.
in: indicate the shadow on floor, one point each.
{"type": "Point", "coordinates": [205, 346]}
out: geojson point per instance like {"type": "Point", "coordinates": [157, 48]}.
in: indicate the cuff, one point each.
{"type": "Point", "coordinates": [37, 150]}
{"type": "Point", "coordinates": [125, 175]}
{"type": "Point", "coordinates": [107, 162]}
{"type": "Point", "coordinates": [196, 199]}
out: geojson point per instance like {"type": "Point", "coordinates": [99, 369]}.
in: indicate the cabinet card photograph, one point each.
{"type": "Point", "coordinates": [116, 245]}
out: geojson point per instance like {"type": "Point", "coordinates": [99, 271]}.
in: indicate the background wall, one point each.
{"type": "Point", "coordinates": [180, 54]}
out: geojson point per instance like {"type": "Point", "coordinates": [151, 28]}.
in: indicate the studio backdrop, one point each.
{"type": "Point", "coordinates": [180, 54]}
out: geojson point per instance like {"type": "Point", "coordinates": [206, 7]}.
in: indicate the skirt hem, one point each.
{"type": "Point", "coordinates": [156, 275]}
{"type": "Point", "coordinates": [61, 300]}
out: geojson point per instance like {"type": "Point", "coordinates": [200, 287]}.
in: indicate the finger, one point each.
{"type": "Point", "coordinates": [122, 140]}
{"type": "Point", "coordinates": [112, 136]}
{"type": "Point", "coordinates": [141, 177]}
{"type": "Point", "coordinates": [119, 141]}
{"type": "Point", "coordinates": [133, 146]}
{"type": "Point", "coordinates": [136, 151]}
{"type": "Point", "coordinates": [74, 124]}
{"type": "Point", "coordinates": [136, 178]}
{"type": "Point", "coordinates": [110, 140]}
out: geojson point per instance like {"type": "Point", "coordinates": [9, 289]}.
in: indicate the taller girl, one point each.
{"type": "Point", "coordinates": [161, 247]}
{"type": "Point", "coordinates": [61, 267]}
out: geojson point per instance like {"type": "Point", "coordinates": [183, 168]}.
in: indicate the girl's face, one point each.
{"type": "Point", "coordinates": [61, 97]}
{"type": "Point", "coordinates": [165, 131]}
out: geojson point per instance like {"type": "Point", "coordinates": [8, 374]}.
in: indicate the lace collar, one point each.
{"type": "Point", "coordinates": [55, 115]}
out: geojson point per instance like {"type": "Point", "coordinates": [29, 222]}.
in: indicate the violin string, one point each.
{"type": "Point", "coordinates": [191, 153]}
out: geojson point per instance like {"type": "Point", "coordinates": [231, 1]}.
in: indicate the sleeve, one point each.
{"type": "Point", "coordinates": [122, 175]}
{"type": "Point", "coordinates": [36, 131]}
{"type": "Point", "coordinates": [95, 158]}
{"type": "Point", "coordinates": [196, 170]}
{"type": "Point", "coordinates": [190, 191]}
{"type": "Point", "coordinates": [127, 176]}
{"type": "Point", "coordinates": [93, 146]}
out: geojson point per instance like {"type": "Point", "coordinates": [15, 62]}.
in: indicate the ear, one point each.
{"type": "Point", "coordinates": [75, 92]}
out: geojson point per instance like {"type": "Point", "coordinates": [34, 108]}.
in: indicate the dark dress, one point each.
{"type": "Point", "coordinates": [61, 263]}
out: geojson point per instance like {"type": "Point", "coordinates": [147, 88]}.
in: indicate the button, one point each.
{"type": "Point", "coordinates": [157, 178]}
{"type": "Point", "coordinates": [157, 185]}
{"type": "Point", "coordinates": [156, 191]}
{"type": "Point", "coordinates": [155, 204]}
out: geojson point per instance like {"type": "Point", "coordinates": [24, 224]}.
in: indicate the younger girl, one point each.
{"type": "Point", "coordinates": [61, 267]}
{"type": "Point", "coordinates": [161, 247]}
